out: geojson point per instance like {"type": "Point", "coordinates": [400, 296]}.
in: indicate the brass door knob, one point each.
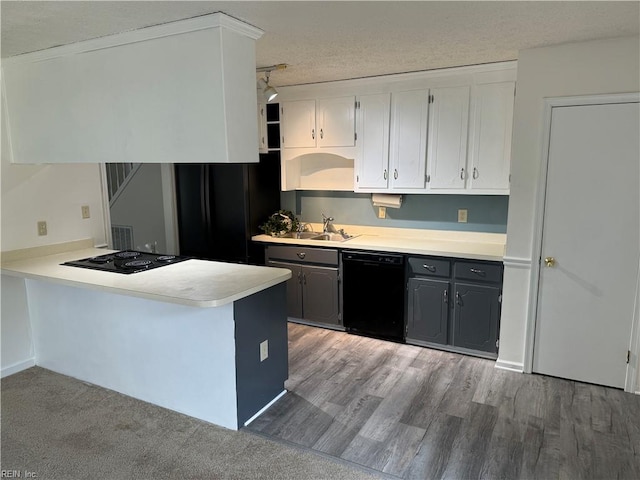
{"type": "Point", "coordinates": [549, 261]}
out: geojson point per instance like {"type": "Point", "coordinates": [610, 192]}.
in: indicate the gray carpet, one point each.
{"type": "Point", "coordinates": [61, 428]}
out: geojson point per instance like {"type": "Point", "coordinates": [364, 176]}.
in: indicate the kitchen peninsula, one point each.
{"type": "Point", "coordinates": [206, 339]}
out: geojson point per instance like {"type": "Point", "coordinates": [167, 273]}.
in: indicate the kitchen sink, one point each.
{"type": "Point", "coordinates": [331, 237]}
{"type": "Point", "coordinates": [301, 235]}
{"type": "Point", "coordinates": [325, 237]}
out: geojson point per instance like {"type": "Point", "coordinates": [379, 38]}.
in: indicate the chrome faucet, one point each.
{"type": "Point", "coordinates": [302, 227]}
{"type": "Point", "coordinates": [327, 226]}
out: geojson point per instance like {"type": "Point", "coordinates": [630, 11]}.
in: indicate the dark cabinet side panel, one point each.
{"type": "Point", "coordinates": [260, 317]}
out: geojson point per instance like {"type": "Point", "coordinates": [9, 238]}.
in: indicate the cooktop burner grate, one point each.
{"type": "Point", "coordinates": [127, 261]}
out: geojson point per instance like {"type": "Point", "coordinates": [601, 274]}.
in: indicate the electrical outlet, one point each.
{"type": "Point", "coordinates": [462, 215]}
{"type": "Point", "coordinates": [382, 212]}
{"type": "Point", "coordinates": [264, 350]}
{"type": "Point", "coordinates": [42, 228]}
{"type": "Point", "coordinates": [86, 213]}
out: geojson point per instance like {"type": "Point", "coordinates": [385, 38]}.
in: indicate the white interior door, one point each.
{"type": "Point", "coordinates": [591, 229]}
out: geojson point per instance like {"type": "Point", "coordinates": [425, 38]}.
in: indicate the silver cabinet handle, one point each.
{"type": "Point", "coordinates": [462, 174]}
{"type": "Point", "coordinates": [321, 134]}
{"type": "Point", "coordinates": [458, 298]}
{"type": "Point", "coordinates": [475, 173]}
{"type": "Point", "coordinates": [385, 173]}
{"type": "Point", "coordinates": [304, 278]}
{"type": "Point", "coordinates": [395, 174]}
{"type": "Point", "coordinates": [477, 271]}
{"type": "Point", "coordinates": [299, 277]}
{"type": "Point", "coordinates": [313, 133]}
{"type": "Point", "coordinates": [301, 255]}
{"type": "Point", "coordinates": [446, 296]}
{"type": "Point", "coordinates": [431, 268]}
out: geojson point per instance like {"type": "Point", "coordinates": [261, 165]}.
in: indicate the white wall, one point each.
{"type": "Point", "coordinates": [54, 193]}
{"type": "Point", "coordinates": [585, 68]}
{"type": "Point", "coordinates": [17, 344]}
{"type": "Point", "coordinates": [28, 194]}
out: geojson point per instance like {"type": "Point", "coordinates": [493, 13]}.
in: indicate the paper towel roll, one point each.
{"type": "Point", "coordinates": [386, 200]}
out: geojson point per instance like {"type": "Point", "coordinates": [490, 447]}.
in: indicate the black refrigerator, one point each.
{"type": "Point", "coordinates": [220, 207]}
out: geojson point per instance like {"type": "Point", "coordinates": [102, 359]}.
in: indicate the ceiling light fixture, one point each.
{"type": "Point", "coordinates": [268, 91]}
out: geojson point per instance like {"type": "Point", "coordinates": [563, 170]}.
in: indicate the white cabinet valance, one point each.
{"type": "Point", "coordinates": [179, 92]}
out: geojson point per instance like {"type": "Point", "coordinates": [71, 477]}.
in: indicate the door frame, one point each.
{"type": "Point", "coordinates": [536, 251]}
{"type": "Point", "coordinates": [106, 210]}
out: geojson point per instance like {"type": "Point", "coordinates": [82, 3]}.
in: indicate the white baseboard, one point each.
{"type": "Point", "coordinates": [511, 366]}
{"type": "Point", "coordinates": [17, 367]}
{"type": "Point", "coordinates": [262, 410]}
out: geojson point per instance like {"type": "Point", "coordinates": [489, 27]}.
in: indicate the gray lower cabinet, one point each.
{"type": "Point", "coordinates": [476, 316]}
{"type": "Point", "coordinates": [294, 288]}
{"type": "Point", "coordinates": [320, 294]}
{"type": "Point", "coordinates": [428, 310]}
{"type": "Point", "coordinates": [313, 291]}
{"type": "Point", "coordinates": [454, 304]}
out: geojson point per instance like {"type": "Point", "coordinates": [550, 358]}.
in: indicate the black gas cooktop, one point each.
{"type": "Point", "coordinates": [127, 261]}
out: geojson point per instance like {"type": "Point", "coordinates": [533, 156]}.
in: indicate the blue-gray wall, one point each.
{"type": "Point", "coordinates": [486, 213]}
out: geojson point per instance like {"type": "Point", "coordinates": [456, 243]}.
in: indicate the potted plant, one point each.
{"type": "Point", "coordinates": [280, 223]}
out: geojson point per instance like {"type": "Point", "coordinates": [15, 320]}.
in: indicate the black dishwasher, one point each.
{"type": "Point", "coordinates": [373, 294]}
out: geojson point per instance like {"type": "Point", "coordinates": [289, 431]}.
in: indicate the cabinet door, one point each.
{"type": "Point", "coordinates": [372, 168]}
{"type": "Point", "coordinates": [336, 122]}
{"type": "Point", "coordinates": [298, 123]}
{"type": "Point", "coordinates": [428, 310]}
{"type": "Point", "coordinates": [491, 136]}
{"type": "Point", "coordinates": [320, 294]}
{"type": "Point", "coordinates": [294, 288]}
{"type": "Point", "coordinates": [448, 129]}
{"type": "Point", "coordinates": [476, 316]}
{"type": "Point", "coordinates": [407, 157]}
{"type": "Point", "coordinates": [263, 144]}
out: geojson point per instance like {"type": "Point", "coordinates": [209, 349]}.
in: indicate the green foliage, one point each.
{"type": "Point", "coordinates": [280, 223]}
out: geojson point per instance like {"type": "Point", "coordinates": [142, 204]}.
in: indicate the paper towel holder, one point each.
{"type": "Point", "coordinates": [386, 200]}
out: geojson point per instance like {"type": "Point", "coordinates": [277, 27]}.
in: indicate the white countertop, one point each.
{"type": "Point", "coordinates": [198, 283]}
{"type": "Point", "coordinates": [470, 245]}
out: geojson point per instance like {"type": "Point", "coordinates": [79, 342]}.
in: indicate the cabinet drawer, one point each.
{"type": "Point", "coordinates": [431, 267]}
{"type": "Point", "coordinates": [325, 256]}
{"type": "Point", "coordinates": [483, 272]}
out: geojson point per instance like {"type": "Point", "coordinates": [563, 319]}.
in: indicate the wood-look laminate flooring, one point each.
{"type": "Point", "coordinates": [418, 413]}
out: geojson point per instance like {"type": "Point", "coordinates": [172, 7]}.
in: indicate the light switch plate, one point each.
{"type": "Point", "coordinates": [42, 228]}
{"type": "Point", "coordinates": [462, 215]}
{"type": "Point", "coordinates": [264, 350]}
{"type": "Point", "coordinates": [382, 212]}
{"type": "Point", "coordinates": [86, 213]}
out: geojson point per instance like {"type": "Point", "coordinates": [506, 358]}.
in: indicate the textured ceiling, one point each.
{"type": "Point", "coordinates": [324, 41]}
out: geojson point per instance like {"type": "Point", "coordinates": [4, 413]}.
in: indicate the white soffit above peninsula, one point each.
{"type": "Point", "coordinates": [334, 40]}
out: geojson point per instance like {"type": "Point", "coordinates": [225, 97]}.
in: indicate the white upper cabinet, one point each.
{"type": "Point", "coordinates": [298, 124]}
{"type": "Point", "coordinates": [372, 171]}
{"type": "Point", "coordinates": [336, 122]}
{"type": "Point", "coordinates": [327, 122]}
{"type": "Point", "coordinates": [178, 92]}
{"type": "Point", "coordinates": [408, 139]}
{"type": "Point", "coordinates": [490, 150]}
{"type": "Point", "coordinates": [440, 132]}
{"type": "Point", "coordinates": [448, 129]}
